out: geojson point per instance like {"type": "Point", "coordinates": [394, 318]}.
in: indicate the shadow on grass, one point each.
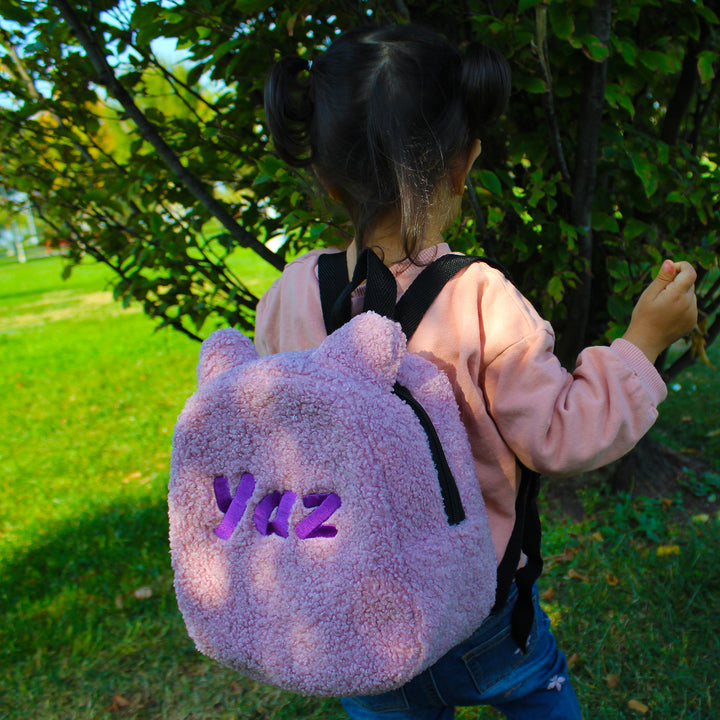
{"type": "Point", "coordinates": [91, 630]}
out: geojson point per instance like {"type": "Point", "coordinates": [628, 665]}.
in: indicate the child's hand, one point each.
{"type": "Point", "coordinates": [666, 311]}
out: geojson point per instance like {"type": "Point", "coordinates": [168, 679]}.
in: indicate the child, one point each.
{"type": "Point", "coordinates": [390, 118]}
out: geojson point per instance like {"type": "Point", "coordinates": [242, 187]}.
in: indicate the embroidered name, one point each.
{"type": "Point", "coordinates": [272, 513]}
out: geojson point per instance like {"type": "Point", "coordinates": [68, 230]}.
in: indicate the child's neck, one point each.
{"type": "Point", "coordinates": [385, 239]}
{"type": "Point", "coordinates": [390, 253]}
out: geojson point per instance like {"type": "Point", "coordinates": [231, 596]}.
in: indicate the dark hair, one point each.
{"type": "Point", "coordinates": [382, 115]}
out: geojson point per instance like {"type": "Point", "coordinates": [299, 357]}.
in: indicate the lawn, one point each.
{"type": "Point", "coordinates": [90, 628]}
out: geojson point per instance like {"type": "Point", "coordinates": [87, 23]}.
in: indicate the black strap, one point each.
{"type": "Point", "coordinates": [421, 294]}
{"type": "Point", "coordinates": [336, 290]}
{"type": "Point", "coordinates": [381, 289]}
{"type": "Point", "coordinates": [333, 278]}
{"type": "Point", "coordinates": [526, 537]}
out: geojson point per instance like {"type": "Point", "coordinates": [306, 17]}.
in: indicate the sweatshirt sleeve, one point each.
{"type": "Point", "coordinates": [289, 314]}
{"type": "Point", "coordinates": [561, 423]}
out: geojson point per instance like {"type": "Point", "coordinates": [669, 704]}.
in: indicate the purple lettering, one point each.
{"type": "Point", "coordinates": [281, 504]}
{"type": "Point", "coordinates": [272, 513]}
{"type": "Point", "coordinates": [233, 507]}
{"type": "Point", "coordinates": [312, 525]}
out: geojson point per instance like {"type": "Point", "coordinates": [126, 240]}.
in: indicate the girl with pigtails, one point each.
{"type": "Point", "coordinates": [391, 120]}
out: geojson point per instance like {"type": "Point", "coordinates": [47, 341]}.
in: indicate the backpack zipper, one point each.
{"type": "Point", "coordinates": [448, 487]}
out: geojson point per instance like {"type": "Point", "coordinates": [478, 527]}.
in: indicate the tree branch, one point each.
{"type": "Point", "coordinates": [77, 238]}
{"type": "Point", "coordinates": [685, 89]}
{"type": "Point", "coordinates": [553, 128]}
{"type": "Point", "coordinates": [701, 111]}
{"type": "Point", "coordinates": [573, 339]}
{"type": "Point", "coordinates": [107, 78]}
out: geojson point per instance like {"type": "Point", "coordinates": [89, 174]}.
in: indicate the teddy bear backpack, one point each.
{"type": "Point", "coordinates": [327, 530]}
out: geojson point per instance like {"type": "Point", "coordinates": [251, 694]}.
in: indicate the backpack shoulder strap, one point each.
{"type": "Point", "coordinates": [421, 294]}
{"type": "Point", "coordinates": [333, 278]}
{"type": "Point", "coordinates": [336, 288]}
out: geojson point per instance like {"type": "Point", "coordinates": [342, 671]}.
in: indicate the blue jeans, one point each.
{"type": "Point", "coordinates": [486, 669]}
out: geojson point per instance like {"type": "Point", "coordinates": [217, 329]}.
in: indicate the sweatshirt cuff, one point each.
{"type": "Point", "coordinates": [643, 368]}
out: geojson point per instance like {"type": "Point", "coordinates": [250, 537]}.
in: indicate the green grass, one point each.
{"type": "Point", "coordinates": [90, 628]}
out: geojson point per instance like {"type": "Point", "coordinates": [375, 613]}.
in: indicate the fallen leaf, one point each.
{"type": "Point", "coordinates": [701, 518]}
{"type": "Point", "coordinates": [548, 595]}
{"type": "Point", "coordinates": [597, 536]}
{"type": "Point", "coordinates": [575, 575]}
{"type": "Point", "coordinates": [143, 593]}
{"type": "Point", "coordinates": [667, 503]}
{"type": "Point", "coordinates": [612, 580]}
{"type": "Point", "coordinates": [638, 707]}
{"type": "Point", "coordinates": [131, 476]}
{"type": "Point", "coordinates": [666, 550]}
{"type": "Point", "coordinates": [572, 661]}
{"type": "Point", "coordinates": [567, 555]}
{"type": "Point", "coordinates": [612, 680]}
{"type": "Point", "coordinates": [119, 602]}
{"type": "Point", "coordinates": [119, 703]}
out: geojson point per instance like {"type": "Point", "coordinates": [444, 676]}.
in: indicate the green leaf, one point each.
{"type": "Point", "coordinates": [561, 21]}
{"type": "Point", "coordinates": [173, 17]}
{"type": "Point", "coordinates": [594, 48]}
{"type": "Point", "coordinates": [707, 14]}
{"type": "Point", "coordinates": [555, 288]}
{"type": "Point", "coordinates": [633, 228]}
{"type": "Point", "coordinates": [490, 181]}
{"type": "Point", "coordinates": [525, 4]}
{"type": "Point", "coordinates": [646, 171]}
{"type": "Point", "coordinates": [617, 96]}
{"type": "Point", "coordinates": [627, 49]}
{"type": "Point", "coordinates": [662, 62]}
{"type": "Point", "coordinates": [146, 34]}
{"type": "Point", "coordinates": [533, 85]}
{"type": "Point", "coordinates": [605, 222]}
{"type": "Point", "coordinates": [679, 197]}
{"type": "Point", "coordinates": [705, 63]}
{"type": "Point", "coordinates": [690, 24]}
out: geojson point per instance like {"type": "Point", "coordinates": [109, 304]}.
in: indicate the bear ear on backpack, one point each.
{"type": "Point", "coordinates": [370, 347]}
{"type": "Point", "coordinates": [222, 350]}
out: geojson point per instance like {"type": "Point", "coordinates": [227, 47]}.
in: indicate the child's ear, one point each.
{"type": "Point", "coordinates": [463, 167]}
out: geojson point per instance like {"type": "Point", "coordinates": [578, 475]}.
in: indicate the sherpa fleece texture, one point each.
{"type": "Point", "coordinates": [397, 587]}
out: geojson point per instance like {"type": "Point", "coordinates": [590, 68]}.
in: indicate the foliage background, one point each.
{"type": "Point", "coordinates": [605, 163]}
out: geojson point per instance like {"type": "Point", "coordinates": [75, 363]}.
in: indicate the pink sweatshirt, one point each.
{"type": "Point", "coordinates": [516, 400]}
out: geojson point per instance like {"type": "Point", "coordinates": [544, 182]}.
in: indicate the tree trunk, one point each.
{"type": "Point", "coordinates": [578, 301]}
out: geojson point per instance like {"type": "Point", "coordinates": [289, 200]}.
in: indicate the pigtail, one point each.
{"type": "Point", "coordinates": [485, 81]}
{"type": "Point", "coordinates": [289, 110]}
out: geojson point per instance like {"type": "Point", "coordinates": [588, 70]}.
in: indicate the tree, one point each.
{"type": "Point", "coordinates": [606, 161]}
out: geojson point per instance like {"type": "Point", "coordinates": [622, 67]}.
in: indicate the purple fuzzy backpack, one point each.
{"type": "Point", "coordinates": [321, 539]}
